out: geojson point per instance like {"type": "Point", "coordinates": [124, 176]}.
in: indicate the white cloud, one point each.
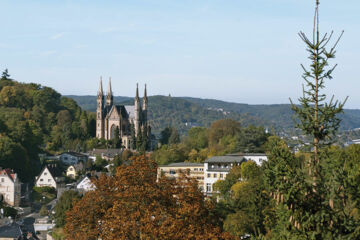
{"type": "Point", "coordinates": [57, 36]}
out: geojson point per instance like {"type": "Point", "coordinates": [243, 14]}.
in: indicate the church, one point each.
{"type": "Point", "coordinates": [130, 122]}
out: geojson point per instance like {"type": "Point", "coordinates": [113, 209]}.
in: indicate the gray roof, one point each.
{"type": "Point", "coordinates": [75, 154]}
{"type": "Point", "coordinates": [183, 164]}
{"type": "Point", "coordinates": [110, 152]}
{"type": "Point", "coordinates": [131, 111]}
{"type": "Point", "coordinates": [225, 159]}
{"type": "Point", "coordinates": [10, 231]}
{"type": "Point", "coordinates": [246, 154]}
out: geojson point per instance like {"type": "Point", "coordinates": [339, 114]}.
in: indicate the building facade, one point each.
{"type": "Point", "coordinates": [126, 121]}
{"type": "Point", "coordinates": [10, 187]}
{"type": "Point", "coordinates": [217, 168]}
{"type": "Point", "coordinates": [174, 170]}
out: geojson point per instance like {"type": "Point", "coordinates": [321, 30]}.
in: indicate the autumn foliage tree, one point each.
{"type": "Point", "coordinates": [135, 204]}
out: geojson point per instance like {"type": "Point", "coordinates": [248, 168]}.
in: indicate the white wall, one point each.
{"type": "Point", "coordinates": [45, 179]}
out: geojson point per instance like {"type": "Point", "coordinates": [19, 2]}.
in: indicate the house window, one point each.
{"type": "Point", "coordinates": [41, 180]}
{"type": "Point", "coordinates": [208, 187]}
{"type": "Point", "coordinates": [172, 171]}
{"type": "Point", "coordinates": [201, 169]}
{"type": "Point", "coordinates": [209, 175]}
{"type": "Point", "coordinates": [221, 175]}
{"type": "Point", "coordinates": [215, 175]}
{"type": "Point", "coordinates": [195, 169]}
{"type": "Point", "coordinates": [2, 179]}
{"type": "Point", "coordinates": [45, 173]}
{"type": "Point", "coordinates": [49, 180]}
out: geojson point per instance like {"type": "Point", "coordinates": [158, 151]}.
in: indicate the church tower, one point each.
{"type": "Point", "coordinates": [100, 112]}
{"type": "Point", "coordinates": [109, 95]}
{"type": "Point", "coordinates": [137, 111]}
{"type": "Point", "coordinates": [144, 108]}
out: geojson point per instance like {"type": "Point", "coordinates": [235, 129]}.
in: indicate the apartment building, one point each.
{"type": "Point", "coordinates": [196, 170]}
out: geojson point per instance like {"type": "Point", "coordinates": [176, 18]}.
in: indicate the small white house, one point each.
{"type": "Point", "coordinates": [85, 185]}
{"type": "Point", "coordinates": [10, 187]}
{"type": "Point", "coordinates": [50, 176]}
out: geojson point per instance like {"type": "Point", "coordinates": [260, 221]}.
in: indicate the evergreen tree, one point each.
{"type": "Point", "coordinates": [117, 139]}
{"type": "Point", "coordinates": [5, 75]}
{"type": "Point", "coordinates": [310, 192]}
{"type": "Point", "coordinates": [174, 136]}
{"type": "Point", "coordinates": [318, 118]}
{"type": "Point", "coordinates": [133, 137]}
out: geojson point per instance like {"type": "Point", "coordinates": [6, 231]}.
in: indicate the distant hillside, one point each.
{"type": "Point", "coordinates": [172, 111]}
{"type": "Point", "coordinates": [279, 115]}
{"type": "Point", "coordinates": [184, 112]}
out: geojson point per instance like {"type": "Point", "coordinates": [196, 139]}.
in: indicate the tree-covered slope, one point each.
{"type": "Point", "coordinates": [279, 115]}
{"type": "Point", "coordinates": [184, 112]}
{"type": "Point", "coordinates": [34, 118]}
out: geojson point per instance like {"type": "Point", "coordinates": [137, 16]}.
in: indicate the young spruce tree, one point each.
{"type": "Point", "coordinates": [310, 204]}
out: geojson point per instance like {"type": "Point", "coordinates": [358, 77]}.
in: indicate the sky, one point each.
{"type": "Point", "coordinates": [245, 51]}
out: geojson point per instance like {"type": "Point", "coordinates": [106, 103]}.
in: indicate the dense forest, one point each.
{"type": "Point", "coordinates": [34, 119]}
{"type": "Point", "coordinates": [202, 112]}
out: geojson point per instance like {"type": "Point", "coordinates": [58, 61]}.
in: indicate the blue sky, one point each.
{"type": "Point", "coordinates": [244, 51]}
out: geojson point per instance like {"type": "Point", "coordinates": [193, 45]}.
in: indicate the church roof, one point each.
{"type": "Point", "coordinates": [131, 111]}
{"type": "Point", "coordinates": [120, 109]}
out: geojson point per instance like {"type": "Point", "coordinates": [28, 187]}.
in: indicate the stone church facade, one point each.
{"type": "Point", "coordinates": [128, 121]}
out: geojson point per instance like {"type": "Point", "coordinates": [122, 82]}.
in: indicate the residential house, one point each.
{"type": "Point", "coordinates": [85, 185]}
{"type": "Point", "coordinates": [174, 170]}
{"type": "Point", "coordinates": [216, 168]}
{"type": "Point", "coordinates": [10, 187]}
{"type": "Point", "coordinates": [50, 176]}
{"type": "Point", "coordinates": [73, 170]}
{"type": "Point", "coordinates": [71, 158]}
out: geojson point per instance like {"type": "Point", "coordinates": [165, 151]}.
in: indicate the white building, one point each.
{"type": "Point", "coordinates": [50, 176]}
{"type": "Point", "coordinates": [10, 187]}
{"type": "Point", "coordinates": [216, 168]}
{"type": "Point", "coordinates": [259, 158]}
{"type": "Point", "coordinates": [85, 185]}
{"type": "Point", "coordinates": [71, 158]}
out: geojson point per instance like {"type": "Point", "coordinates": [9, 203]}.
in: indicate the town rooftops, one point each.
{"type": "Point", "coordinates": [12, 231]}
{"type": "Point", "coordinates": [184, 164]}
{"type": "Point", "coordinates": [226, 159]}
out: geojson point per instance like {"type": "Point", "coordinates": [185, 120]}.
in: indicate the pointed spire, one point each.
{"type": "Point", "coordinates": [100, 92]}
{"type": "Point", "coordinates": [137, 91]}
{"type": "Point", "coordinates": [109, 91]}
{"type": "Point", "coordinates": [145, 92]}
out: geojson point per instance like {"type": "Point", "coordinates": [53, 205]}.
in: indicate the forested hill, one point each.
{"type": "Point", "coordinates": [35, 118]}
{"type": "Point", "coordinates": [181, 111]}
